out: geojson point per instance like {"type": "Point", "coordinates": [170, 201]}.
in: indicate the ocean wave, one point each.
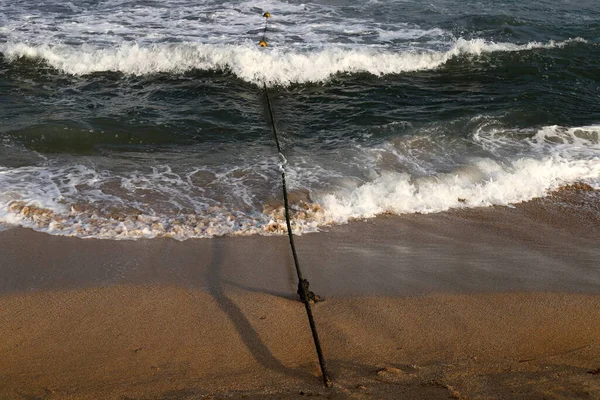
{"type": "Point", "coordinates": [252, 64]}
{"type": "Point", "coordinates": [484, 183]}
{"type": "Point", "coordinates": [56, 201]}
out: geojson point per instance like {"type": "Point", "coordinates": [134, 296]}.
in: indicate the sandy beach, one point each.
{"type": "Point", "coordinates": [493, 303]}
{"type": "Point", "coordinates": [439, 163]}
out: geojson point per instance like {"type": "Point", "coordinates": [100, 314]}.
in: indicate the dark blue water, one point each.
{"type": "Point", "coordinates": [144, 119]}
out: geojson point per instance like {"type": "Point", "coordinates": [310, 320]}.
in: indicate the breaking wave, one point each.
{"type": "Point", "coordinates": [252, 64]}
{"type": "Point", "coordinates": [56, 201]}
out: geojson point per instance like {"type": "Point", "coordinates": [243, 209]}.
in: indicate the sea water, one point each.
{"type": "Point", "coordinates": [134, 119]}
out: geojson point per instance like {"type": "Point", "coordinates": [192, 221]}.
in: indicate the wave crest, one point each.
{"type": "Point", "coordinates": [252, 64]}
{"type": "Point", "coordinates": [57, 201]}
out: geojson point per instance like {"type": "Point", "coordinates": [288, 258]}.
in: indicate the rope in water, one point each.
{"type": "Point", "coordinates": [263, 42]}
{"type": "Point", "coordinates": [303, 285]}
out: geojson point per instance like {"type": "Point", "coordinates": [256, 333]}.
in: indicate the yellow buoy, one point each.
{"type": "Point", "coordinates": [267, 15]}
{"type": "Point", "coordinates": [262, 43]}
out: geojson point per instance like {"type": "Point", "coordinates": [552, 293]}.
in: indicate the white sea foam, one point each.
{"type": "Point", "coordinates": [581, 140]}
{"type": "Point", "coordinates": [551, 157]}
{"type": "Point", "coordinates": [484, 183]}
{"type": "Point", "coordinates": [80, 201]}
{"type": "Point", "coordinates": [571, 143]}
{"type": "Point", "coordinates": [207, 21]}
{"type": "Point", "coordinates": [252, 64]}
{"type": "Point", "coordinates": [409, 33]}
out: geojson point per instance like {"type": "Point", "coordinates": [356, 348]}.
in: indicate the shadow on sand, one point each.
{"type": "Point", "coordinates": [242, 325]}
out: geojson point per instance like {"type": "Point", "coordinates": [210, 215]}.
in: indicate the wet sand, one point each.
{"type": "Point", "coordinates": [481, 303]}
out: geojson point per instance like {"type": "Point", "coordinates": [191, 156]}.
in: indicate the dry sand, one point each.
{"type": "Point", "coordinates": [496, 303]}
{"type": "Point", "coordinates": [170, 343]}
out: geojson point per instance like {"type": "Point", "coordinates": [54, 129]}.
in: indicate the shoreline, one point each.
{"type": "Point", "coordinates": [481, 303]}
{"type": "Point", "coordinates": [547, 244]}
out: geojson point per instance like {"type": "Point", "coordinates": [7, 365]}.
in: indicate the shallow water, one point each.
{"type": "Point", "coordinates": [144, 119]}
